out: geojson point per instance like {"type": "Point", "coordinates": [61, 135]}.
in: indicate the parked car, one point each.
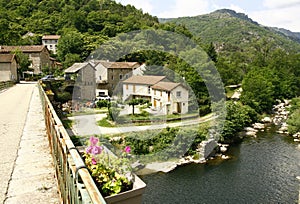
{"type": "Point", "coordinates": [48, 78]}
{"type": "Point", "coordinates": [103, 97]}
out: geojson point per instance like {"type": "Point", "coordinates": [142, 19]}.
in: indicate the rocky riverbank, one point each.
{"type": "Point", "coordinates": [279, 117]}
{"type": "Point", "coordinates": [207, 150]}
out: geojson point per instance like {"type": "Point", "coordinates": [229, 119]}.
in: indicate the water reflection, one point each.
{"type": "Point", "coordinates": [261, 170]}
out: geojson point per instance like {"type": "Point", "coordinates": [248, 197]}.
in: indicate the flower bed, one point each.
{"type": "Point", "coordinates": [113, 175]}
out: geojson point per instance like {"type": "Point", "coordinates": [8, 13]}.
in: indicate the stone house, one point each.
{"type": "Point", "coordinates": [110, 74]}
{"type": "Point", "coordinates": [166, 97]}
{"type": "Point", "coordinates": [84, 76]}
{"type": "Point", "coordinates": [170, 97]}
{"type": "Point", "coordinates": [8, 67]}
{"type": "Point", "coordinates": [51, 41]}
{"type": "Point", "coordinates": [38, 55]}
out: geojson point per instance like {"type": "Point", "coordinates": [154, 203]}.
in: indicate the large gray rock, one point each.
{"type": "Point", "coordinates": [207, 148]}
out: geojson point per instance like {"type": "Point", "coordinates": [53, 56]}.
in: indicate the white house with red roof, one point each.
{"type": "Point", "coordinates": [166, 97]}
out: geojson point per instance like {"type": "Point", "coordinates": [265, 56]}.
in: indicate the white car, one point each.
{"type": "Point", "coordinates": [103, 97]}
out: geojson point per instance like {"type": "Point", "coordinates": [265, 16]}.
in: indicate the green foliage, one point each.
{"type": "Point", "coordinates": [102, 103]}
{"type": "Point", "coordinates": [137, 101]}
{"type": "Point", "coordinates": [167, 143]}
{"type": "Point", "coordinates": [23, 61]}
{"type": "Point", "coordinates": [294, 118]}
{"type": "Point", "coordinates": [104, 123]}
{"type": "Point", "coordinates": [63, 97]}
{"type": "Point", "coordinates": [113, 113]}
{"type": "Point", "coordinates": [259, 90]}
{"type": "Point", "coordinates": [238, 117]}
{"type": "Point", "coordinates": [112, 174]}
{"type": "Point", "coordinates": [294, 122]}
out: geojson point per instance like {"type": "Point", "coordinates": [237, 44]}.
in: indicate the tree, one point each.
{"type": "Point", "coordinates": [134, 102]}
{"type": "Point", "coordinates": [258, 89]}
{"type": "Point", "coordinates": [23, 61]}
{"type": "Point", "coordinates": [70, 43]}
{"type": "Point", "coordinates": [212, 52]}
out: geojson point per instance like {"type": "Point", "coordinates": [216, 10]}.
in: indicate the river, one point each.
{"type": "Point", "coordinates": [261, 170]}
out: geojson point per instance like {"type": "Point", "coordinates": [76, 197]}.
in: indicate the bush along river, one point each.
{"type": "Point", "coordinates": [261, 170]}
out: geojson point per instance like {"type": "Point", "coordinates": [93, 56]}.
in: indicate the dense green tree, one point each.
{"type": "Point", "coordinates": [23, 62]}
{"type": "Point", "coordinates": [70, 43]}
{"type": "Point", "coordinates": [259, 90]}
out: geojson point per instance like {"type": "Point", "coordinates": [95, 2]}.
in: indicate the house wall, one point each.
{"type": "Point", "coordinates": [39, 60]}
{"type": "Point", "coordinates": [14, 70]}
{"type": "Point", "coordinates": [87, 83]}
{"type": "Point", "coordinates": [114, 79]}
{"type": "Point", "coordinates": [182, 100]}
{"type": "Point", "coordinates": [168, 105]}
{"type": "Point", "coordinates": [135, 90]}
{"type": "Point", "coordinates": [8, 71]}
{"type": "Point", "coordinates": [5, 72]}
{"type": "Point", "coordinates": [51, 45]}
{"type": "Point", "coordinates": [101, 73]}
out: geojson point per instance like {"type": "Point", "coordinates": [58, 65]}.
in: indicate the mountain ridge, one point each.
{"type": "Point", "coordinates": [228, 13]}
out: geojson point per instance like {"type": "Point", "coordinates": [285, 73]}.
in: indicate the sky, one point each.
{"type": "Point", "coordinates": [275, 13]}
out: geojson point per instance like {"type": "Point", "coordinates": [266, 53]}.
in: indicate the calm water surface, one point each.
{"type": "Point", "coordinates": [261, 170]}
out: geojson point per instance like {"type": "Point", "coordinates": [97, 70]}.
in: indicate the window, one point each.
{"type": "Point", "coordinates": [160, 93]}
{"type": "Point", "coordinates": [154, 92]}
{"type": "Point", "coordinates": [100, 78]}
{"type": "Point", "coordinates": [178, 94]}
{"type": "Point", "coordinates": [149, 90]}
{"type": "Point", "coordinates": [50, 46]}
{"type": "Point", "coordinates": [121, 76]}
{"type": "Point", "coordinates": [133, 88]}
{"type": "Point", "coordinates": [126, 86]}
{"type": "Point", "coordinates": [112, 77]}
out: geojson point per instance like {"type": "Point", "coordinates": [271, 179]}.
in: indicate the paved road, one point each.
{"type": "Point", "coordinates": [22, 134]}
{"type": "Point", "coordinates": [86, 125]}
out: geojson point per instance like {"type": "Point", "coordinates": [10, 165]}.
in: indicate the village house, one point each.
{"type": "Point", "coordinates": [84, 76]}
{"type": "Point", "coordinates": [110, 74]}
{"type": "Point", "coordinates": [38, 55]}
{"type": "Point", "coordinates": [8, 67]}
{"type": "Point", "coordinates": [166, 97]}
{"type": "Point", "coordinates": [51, 41]}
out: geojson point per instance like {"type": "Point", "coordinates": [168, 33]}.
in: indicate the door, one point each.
{"type": "Point", "coordinates": [178, 107]}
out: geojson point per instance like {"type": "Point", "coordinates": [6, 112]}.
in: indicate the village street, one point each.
{"type": "Point", "coordinates": [86, 125]}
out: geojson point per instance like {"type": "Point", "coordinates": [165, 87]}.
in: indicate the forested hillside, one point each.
{"type": "Point", "coordinates": [265, 60]}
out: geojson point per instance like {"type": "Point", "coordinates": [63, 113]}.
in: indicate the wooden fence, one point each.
{"type": "Point", "coordinates": [75, 182]}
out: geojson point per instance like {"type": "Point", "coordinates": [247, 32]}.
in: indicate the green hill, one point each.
{"type": "Point", "coordinates": [228, 30]}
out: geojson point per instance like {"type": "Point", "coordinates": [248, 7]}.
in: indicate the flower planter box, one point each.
{"type": "Point", "coordinates": [133, 196]}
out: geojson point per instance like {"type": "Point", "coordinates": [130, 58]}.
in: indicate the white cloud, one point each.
{"type": "Point", "coordinates": [284, 17]}
{"type": "Point", "coordinates": [186, 8]}
{"type": "Point", "coordinates": [277, 4]}
{"type": "Point", "coordinates": [145, 5]}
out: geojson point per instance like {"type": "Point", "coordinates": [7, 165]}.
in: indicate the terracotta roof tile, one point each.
{"type": "Point", "coordinates": [166, 86]}
{"type": "Point", "coordinates": [50, 37]}
{"type": "Point", "coordinates": [120, 65]}
{"type": "Point", "coordinates": [26, 48]}
{"type": "Point", "coordinates": [6, 58]}
{"type": "Point", "coordinates": [76, 67]}
{"type": "Point", "coordinates": [148, 80]}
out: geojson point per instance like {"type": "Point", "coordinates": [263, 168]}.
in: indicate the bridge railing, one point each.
{"type": "Point", "coordinates": [75, 183]}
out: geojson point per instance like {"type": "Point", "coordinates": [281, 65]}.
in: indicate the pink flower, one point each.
{"type": "Point", "coordinates": [96, 150]}
{"type": "Point", "coordinates": [94, 162]}
{"type": "Point", "coordinates": [127, 149]}
{"type": "Point", "coordinates": [94, 141]}
{"type": "Point", "coordinates": [89, 150]}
